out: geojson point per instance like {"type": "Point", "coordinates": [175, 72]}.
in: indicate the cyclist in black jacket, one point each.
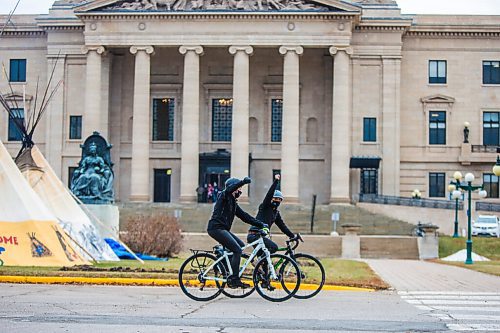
{"type": "Point", "coordinates": [269, 214]}
{"type": "Point", "coordinates": [219, 226]}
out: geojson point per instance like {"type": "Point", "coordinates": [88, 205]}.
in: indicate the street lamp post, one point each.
{"type": "Point", "coordinates": [455, 194]}
{"type": "Point", "coordinates": [469, 178]}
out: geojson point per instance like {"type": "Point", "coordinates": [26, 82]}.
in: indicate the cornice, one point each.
{"type": "Point", "coordinates": [216, 16]}
{"type": "Point", "coordinates": [24, 33]}
{"type": "Point", "coordinates": [453, 34]}
{"type": "Point", "coordinates": [63, 27]}
{"type": "Point", "coordinates": [381, 27]}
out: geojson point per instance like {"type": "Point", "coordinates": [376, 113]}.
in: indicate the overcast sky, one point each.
{"type": "Point", "coordinates": [484, 7]}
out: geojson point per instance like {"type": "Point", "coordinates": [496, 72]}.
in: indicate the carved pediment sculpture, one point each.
{"type": "Point", "coordinates": [376, 1]}
{"type": "Point", "coordinates": [226, 5]}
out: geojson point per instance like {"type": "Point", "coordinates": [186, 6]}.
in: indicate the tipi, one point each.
{"type": "Point", "coordinates": [59, 200]}
{"type": "Point", "coordinates": [29, 232]}
{"type": "Point", "coordinates": [48, 186]}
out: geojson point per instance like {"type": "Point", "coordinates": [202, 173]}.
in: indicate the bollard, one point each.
{"type": "Point", "coordinates": [351, 248]}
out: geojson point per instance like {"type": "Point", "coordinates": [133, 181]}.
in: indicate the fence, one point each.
{"type": "Point", "coordinates": [403, 201]}
{"type": "Point", "coordinates": [488, 206]}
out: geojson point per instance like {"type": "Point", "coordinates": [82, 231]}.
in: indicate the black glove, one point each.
{"type": "Point", "coordinates": [247, 180]}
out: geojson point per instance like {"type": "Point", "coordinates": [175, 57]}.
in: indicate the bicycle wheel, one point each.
{"type": "Point", "coordinates": [246, 277]}
{"type": "Point", "coordinates": [194, 285]}
{"type": "Point", "coordinates": [286, 284]}
{"type": "Point", "coordinates": [312, 275]}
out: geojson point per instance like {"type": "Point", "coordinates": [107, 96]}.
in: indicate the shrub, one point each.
{"type": "Point", "coordinates": [155, 234]}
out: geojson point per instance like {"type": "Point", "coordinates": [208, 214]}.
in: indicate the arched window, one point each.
{"type": "Point", "coordinates": [312, 130]}
{"type": "Point", "coordinates": [254, 129]}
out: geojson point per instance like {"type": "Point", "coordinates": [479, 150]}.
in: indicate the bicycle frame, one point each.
{"type": "Point", "coordinates": [259, 246]}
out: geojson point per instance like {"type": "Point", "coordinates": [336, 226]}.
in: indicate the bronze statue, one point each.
{"type": "Point", "coordinates": [92, 181]}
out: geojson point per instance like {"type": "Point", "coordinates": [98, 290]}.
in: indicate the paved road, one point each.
{"type": "Point", "coordinates": [463, 299]}
{"type": "Point", "coordinates": [415, 275]}
{"type": "Point", "coordinates": [59, 308]}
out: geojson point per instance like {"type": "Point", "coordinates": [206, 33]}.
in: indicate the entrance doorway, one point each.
{"type": "Point", "coordinates": [162, 185]}
{"type": "Point", "coordinates": [214, 171]}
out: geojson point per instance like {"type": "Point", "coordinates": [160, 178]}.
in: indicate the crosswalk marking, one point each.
{"type": "Point", "coordinates": [462, 311]}
{"type": "Point", "coordinates": [474, 327]}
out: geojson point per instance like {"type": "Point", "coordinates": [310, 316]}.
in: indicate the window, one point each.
{"type": "Point", "coordinates": [276, 119]}
{"type": "Point", "coordinates": [14, 123]}
{"type": "Point", "coordinates": [437, 127]}
{"type": "Point", "coordinates": [222, 115]}
{"type": "Point", "coordinates": [163, 119]}
{"type": "Point", "coordinates": [490, 182]}
{"type": "Point", "coordinates": [75, 127]}
{"type": "Point", "coordinates": [436, 184]}
{"type": "Point", "coordinates": [369, 181]}
{"type": "Point", "coordinates": [71, 171]}
{"type": "Point", "coordinates": [277, 172]}
{"type": "Point", "coordinates": [17, 70]}
{"type": "Point", "coordinates": [369, 129]}
{"type": "Point", "coordinates": [437, 71]}
{"type": "Point", "coordinates": [491, 72]}
{"type": "Point", "coordinates": [490, 129]}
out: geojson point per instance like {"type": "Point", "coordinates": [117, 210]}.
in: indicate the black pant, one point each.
{"type": "Point", "coordinates": [233, 243]}
{"type": "Point", "coordinates": [271, 246]}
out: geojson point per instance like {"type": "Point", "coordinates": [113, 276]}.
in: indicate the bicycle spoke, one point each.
{"type": "Point", "coordinates": [245, 277]}
{"type": "Point", "coordinates": [284, 285]}
{"type": "Point", "coordinates": [198, 280]}
{"type": "Point", "coordinates": [312, 275]}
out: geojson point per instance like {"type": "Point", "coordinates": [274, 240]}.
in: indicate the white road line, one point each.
{"type": "Point", "coordinates": [474, 327]}
{"type": "Point", "coordinates": [475, 317]}
{"type": "Point", "coordinates": [447, 293]}
{"type": "Point", "coordinates": [450, 302]}
{"type": "Point", "coordinates": [460, 308]}
{"type": "Point", "coordinates": [468, 297]}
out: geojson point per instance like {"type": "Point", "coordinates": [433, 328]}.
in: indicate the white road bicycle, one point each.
{"type": "Point", "coordinates": [203, 276]}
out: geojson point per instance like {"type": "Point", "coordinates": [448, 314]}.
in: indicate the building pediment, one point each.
{"type": "Point", "coordinates": [217, 5]}
{"type": "Point", "coordinates": [437, 98]}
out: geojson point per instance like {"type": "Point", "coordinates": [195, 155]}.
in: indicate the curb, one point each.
{"type": "Point", "coordinates": [135, 282]}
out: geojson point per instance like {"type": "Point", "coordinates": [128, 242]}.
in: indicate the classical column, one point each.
{"type": "Point", "coordinates": [55, 114]}
{"type": "Point", "coordinates": [105, 87]}
{"type": "Point", "coordinates": [92, 117]}
{"type": "Point", "coordinates": [341, 126]}
{"type": "Point", "coordinates": [290, 123]}
{"type": "Point", "coordinates": [391, 76]}
{"type": "Point", "coordinates": [139, 182]}
{"type": "Point", "coordinates": [241, 112]}
{"type": "Point", "coordinates": [190, 150]}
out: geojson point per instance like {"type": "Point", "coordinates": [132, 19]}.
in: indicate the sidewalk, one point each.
{"type": "Point", "coordinates": [415, 275]}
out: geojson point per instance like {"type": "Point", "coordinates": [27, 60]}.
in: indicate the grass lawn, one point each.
{"type": "Point", "coordinates": [338, 272]}
{"type": "Point", "coordinates": [484, 246]}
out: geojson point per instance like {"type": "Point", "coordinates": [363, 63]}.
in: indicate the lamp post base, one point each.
{"type": "Point", "coordinates": [468, 261]}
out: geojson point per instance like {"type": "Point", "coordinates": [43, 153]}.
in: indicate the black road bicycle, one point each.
{"type": "Point", "coordinates": [312, 272]}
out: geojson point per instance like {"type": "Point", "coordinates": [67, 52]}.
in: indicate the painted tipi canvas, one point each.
{"type": "Point", "coordinates": [29, 232]}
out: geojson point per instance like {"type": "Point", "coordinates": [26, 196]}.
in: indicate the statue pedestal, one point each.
{"type": "Point", "coordinates": [109, 216]}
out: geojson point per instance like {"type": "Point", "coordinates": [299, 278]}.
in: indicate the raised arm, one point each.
{"type": "Point", "coordinates": [247, 218]}
{"type": "Point", "coordinates": [233, 187]}
{"type": "Point", "coordinates": [270, 193]}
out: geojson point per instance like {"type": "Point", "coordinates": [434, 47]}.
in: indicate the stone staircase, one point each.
{"type": "Point", "coordinates": [194, 218]}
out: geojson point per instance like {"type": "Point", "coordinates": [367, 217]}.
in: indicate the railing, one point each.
{"type": "Point", "coordinates": [488, 206]}
{"type": "Point", "coordinates": [484, 149]}
{"type": "Point", "coordinates": [403, 201]}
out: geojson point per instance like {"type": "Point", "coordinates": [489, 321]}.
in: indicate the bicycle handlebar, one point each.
{"type": "Point", "coordinates": [295, 240]}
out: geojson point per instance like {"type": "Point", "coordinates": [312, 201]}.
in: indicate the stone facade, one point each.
{"type": "Point", "coordinates": [331, 64]}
